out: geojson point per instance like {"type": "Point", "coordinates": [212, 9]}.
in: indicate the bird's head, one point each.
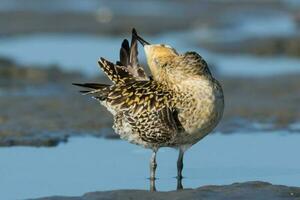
{"type": "Point", "coordinates": [158, 55]}
{"type": "Point", "coordinates": [165, 63]}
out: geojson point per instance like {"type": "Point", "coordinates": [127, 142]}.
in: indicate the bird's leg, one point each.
{"type": "Point", "coordinates": [180, 164]}
{"type": "Point", "coordinates": [153, 166]}
{"type": "Point", "coordinates": [152, 185]}
{"type": "Point", "coordinates": [179, 169]}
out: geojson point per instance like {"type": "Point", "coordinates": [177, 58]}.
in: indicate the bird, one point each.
{"type": "Point", "coordinates": [177, 106]}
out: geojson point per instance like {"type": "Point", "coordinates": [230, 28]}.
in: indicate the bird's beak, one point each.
{"type": "Point", "coordinates": [141, 40]}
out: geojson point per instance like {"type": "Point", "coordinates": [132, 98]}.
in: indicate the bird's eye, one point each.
{"type": "Point", "coordinates": [166, 46]}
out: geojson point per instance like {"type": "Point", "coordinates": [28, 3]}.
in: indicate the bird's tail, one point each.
{"type": "Point", "coordinates": [98, 91]}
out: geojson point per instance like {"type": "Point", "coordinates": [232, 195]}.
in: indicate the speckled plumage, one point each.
{"type": "Point", "coordinates": [177, 107]}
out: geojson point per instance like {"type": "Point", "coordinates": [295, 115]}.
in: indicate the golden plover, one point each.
{"type": "Point", "coordinates": [179, 105]}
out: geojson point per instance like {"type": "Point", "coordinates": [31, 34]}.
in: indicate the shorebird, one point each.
{"type": "Point", "coordinates": [176, 107]}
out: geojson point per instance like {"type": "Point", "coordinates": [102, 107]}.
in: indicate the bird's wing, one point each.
{"type": "Point", "coordinates": [139, 97]}
{"type": "Point", "coordinates": [102, 90]}
{"type": "Point", "coordinates": [128, 68]}
{"type": "Point", "coordinates": [129, 58]}
{"type": "Point", "coordinates": [148, 108]}
{"type": "Point", "coordinates": [117, 74]}
{"type": "Point", "coordinates": [156, 127]}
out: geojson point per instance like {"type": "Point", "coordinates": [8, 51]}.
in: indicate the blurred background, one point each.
{"type": "Point", "coordinates": [252, 47]}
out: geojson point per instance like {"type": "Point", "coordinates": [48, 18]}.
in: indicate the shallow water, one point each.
{"type": "Point", "coordinates": [71, 52]}
{"type": "Point", "coordinates": [91, 164]}
{"type": "Point", "coordinates": [81, 52]}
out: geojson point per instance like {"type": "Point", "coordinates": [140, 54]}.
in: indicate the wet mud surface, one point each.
{"type": "Point", "coordinates": [248, 190]}
{"type": "Point", "coordinates": [271, 46]}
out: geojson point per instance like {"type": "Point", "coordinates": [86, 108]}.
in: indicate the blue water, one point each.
{"type": "Point", "coordinates": [81, 52]}
{"type": "Point", "coordinates": [92, 164]}
{"type": "Point", "coordinates": [71, 52]}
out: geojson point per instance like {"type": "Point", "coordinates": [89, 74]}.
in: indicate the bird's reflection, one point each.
{"type": "Point", "coordinates": [179, 184]}
{"type": "Point", "coordinates": [153, 187]}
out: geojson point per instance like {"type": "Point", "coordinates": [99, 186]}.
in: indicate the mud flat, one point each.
{"type": "Point", "coordinates": [265, 103]}
{"type": "Point", "coordinates": [106, 18]}
{"type": "Point", "coordinates": [40, 107]}
{"type": "Point", "coordinates": [248, 190]}
{"type": "Point", "coordinates": [271, 46]}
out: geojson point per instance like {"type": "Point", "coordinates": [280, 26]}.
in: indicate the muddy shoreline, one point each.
{"type": "Point", "coordinates": [247, 190]}
{"type": "Point", "coordinates": [271, 46]}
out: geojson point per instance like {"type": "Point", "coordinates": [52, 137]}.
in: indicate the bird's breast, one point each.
{"type": "Point", "coordinates": [201, 108]}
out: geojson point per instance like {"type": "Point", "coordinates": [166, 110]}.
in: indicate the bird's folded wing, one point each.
{"type": "Point", "coordinates": [147, 108]}
{"type": "Point", "coordinates": [157, 127]}
{"type": "Point", "coordinates": [139, 97]}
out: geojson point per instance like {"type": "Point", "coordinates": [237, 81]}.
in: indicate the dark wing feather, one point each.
{"type": "Point", "coordinates": [134, 51]}
{"type": "Point", "coordinates": [129, 58]}
{"type": "Point", "coordinates": [124, 53]}
{"type": "Point", "coordinates": [91, 85]}
{"type": "Point", "coordinates": [128, 68]}
{"type": "Point", "coordinates": [100, 91]}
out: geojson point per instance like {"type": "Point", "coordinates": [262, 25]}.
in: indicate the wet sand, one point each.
{"type": "Point", "coordinates": [40, 107]}
{"type": "Point", "coordinates": [248, 190]}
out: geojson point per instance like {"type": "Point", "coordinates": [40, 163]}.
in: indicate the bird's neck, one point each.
{"type": "Point", "coordinates": [185, 84]}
